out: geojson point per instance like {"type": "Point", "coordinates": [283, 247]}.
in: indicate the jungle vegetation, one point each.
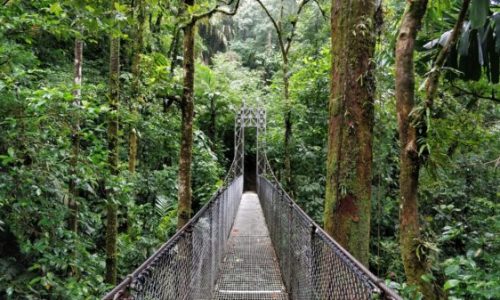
{"type": "Point", "coordinates": [117, 120]}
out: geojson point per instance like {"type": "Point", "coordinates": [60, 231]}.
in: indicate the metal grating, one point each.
{"type": "Point", "coordinates": [250, 269]}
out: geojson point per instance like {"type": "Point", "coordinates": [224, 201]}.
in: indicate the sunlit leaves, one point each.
{"type": "Point", "coordinates": [56, 8]}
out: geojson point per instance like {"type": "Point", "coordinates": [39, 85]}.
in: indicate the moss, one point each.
{"type": "Point", "coordinates": [347, 201]}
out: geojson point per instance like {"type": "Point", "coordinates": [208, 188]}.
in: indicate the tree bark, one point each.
{"type": "Point", "coordinates": [349, 161]}
{"type": "Point", "coordinates": [187, 109]}
{"type": "Point", "coordinates": [75, 137]}
{"type": "Point", "coordinates": [288, 129]}
{"type": "Point", "coordinates": [136, 84]}
{"type": "Point", "coordinates": [113, 157]}
{"type": "Point", "coordinates": [415, 265]}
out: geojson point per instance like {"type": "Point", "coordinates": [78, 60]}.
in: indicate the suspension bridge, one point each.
{"type": "Point", "coordinates": [250, 245]}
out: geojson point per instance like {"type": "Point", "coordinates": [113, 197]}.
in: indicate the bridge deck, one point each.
{"type": "Point", "coordinates": [250, 268]}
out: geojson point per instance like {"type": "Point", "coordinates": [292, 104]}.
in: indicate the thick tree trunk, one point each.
{"type": "Point", "coordinates": [187, 108]}
{"type": "Point", "coordinates": [114, 101]}
{"type": "Point", "coordinates": [415, 265]}
{"type": "Point", "coordinates": [136, 84]}
{"type": "Point", "coordinates": [348, 188]}
{"type": "Point", "coordinates": [75, 137]}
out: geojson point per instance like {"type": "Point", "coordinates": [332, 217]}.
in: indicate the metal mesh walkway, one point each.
{"type": "Point", "coordinates": [226, 250]}
{"type": "Point", "coordinates": [250, 268]}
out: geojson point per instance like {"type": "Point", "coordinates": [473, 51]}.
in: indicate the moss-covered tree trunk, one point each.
{"type": "Point", "coordinates": [113, 156]}
{"type": "Point", "coordinates": [187, 110]}
{"type": "Point", "coordinates": [75, 136]}
{"type": "Point", "coordinates": [349, 162]}
{"type": "Point", "coordinates": [136, 83]}
{"type": "Point", "coordinates": [415, 265]}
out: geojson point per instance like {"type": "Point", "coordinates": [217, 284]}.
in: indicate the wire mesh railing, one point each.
{"type": "Point", "coordinates": [186, 266]}
{"type": "Point", "coordinates": [313, 265]}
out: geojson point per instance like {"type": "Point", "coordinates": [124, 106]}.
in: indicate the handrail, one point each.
{"type": "Point", "coordinates": [121, 290]}
{"type": "Point", "coordinates": [379, 283]}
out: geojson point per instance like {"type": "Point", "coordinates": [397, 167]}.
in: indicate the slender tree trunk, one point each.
{"type": "Point", "coordinates": [75, 137]}
{"type": "Point", "coordinates": [415, 265]}
{"type": "Point", "coordinates": [113, 126]}
{"type": "Point", "coordinates": [288, 129]}
{"type": "Point", "coordinates": [187, 109]}
{"type": "Point", "coordinates": [212, 128]}
{"type": "Point", "coordinates": [348, 188]}
{"type": "Point", "coordinates": [136, 84]}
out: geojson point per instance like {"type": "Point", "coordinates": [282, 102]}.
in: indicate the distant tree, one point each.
{"type": "Point", "coordinates": [136, 91]}
{"type": "Point", "coordinates": [75, 135]}
{"type": "Point", "coordinates": [285, 27]}
{"type": "Point", "coordinates": [113, 154]}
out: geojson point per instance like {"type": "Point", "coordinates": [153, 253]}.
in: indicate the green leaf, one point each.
{"type": "Point", "coordinates": [495, 18]}
{"type": "Point", "coordinates": [427, 277]}
{"type": "Point", "coordinates": [122, 8]}
{"type": "Point", "coordinates": [56, 9]}
{"type": "Point", "coordinates": [452, 269]}
{"type": "Point", "coordinates": [449, 284]}
{"type": "Point", "coordinates": [463, 45]}
{"type": "Point", "coordinates": [11, 152]}
{"type": "Point", "coordinates": [90, 8]}
{"type": "Point", "coordinates": [479, 10]}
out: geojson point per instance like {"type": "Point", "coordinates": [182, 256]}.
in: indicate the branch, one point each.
{"type": "Point", "coordinates": [5, 2]}
{"type": "Point", "coordinates": [294, 25]}
{"type": "Point", "coordinates": [276, 27]}
{"type": "Point", "coordinates": [432, 82]}
{"type": "Point", "coordinates": [216, 9]}
{"type": "Point", "coordinates": [323, 13]}
{"type": "Point", "coordinates": [285, 49]}
{"type": "Point", "coordinates": [474, 94]}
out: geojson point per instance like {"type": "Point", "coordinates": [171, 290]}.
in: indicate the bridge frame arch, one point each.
{"type": "Point", "coordinates": [250, 117]}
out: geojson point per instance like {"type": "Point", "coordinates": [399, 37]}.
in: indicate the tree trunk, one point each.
{"type": "Point", "coordinates": [349, 161]}
{"type": "Point", "coordinates": [187, 109]}
{"type": "Point", "coordinates": [288, 130]}
{"type": "Point", "coordinates": [212, 127]}
{"type": "Point", "coordinates": [75, 137]}
{"type": "Point", "coordinates": [114, 101]}
{"type": "Point", "coordinates": [136, 84]}
{"type": "Point", "coordinates": [414, 265]}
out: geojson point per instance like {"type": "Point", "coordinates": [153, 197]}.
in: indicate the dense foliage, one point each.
{"type": "Point", "coordinates": [238, 60]}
